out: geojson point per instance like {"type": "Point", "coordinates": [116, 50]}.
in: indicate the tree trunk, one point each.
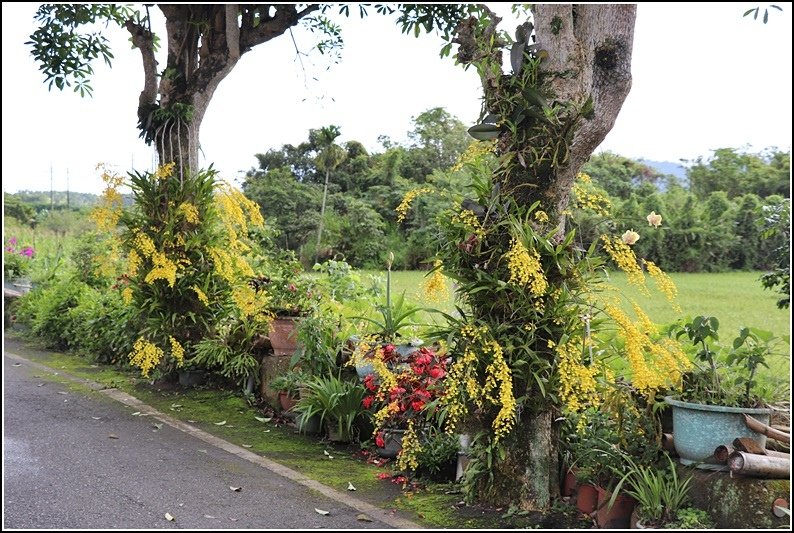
{"type": "Point", "coordinates": [322, 217]}
{"type": "Point", "coordinates": [549, 128]}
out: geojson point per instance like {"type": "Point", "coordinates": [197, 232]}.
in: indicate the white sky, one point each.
{"type": "Point", "coordinates": [704, 78]}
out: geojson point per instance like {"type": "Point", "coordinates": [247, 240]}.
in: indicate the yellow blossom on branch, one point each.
{"type": "Point", "coordinates": [405, 204]}
{"type": "Point", "coordinates": [525, 268]}
{"type": "Point", "coordinates": [435, 287]}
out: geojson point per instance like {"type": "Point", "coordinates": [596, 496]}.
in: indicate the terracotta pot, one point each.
{"type": "Point", "coordinates": [586, 498]}
{"type": "Point", "coordinates": [285, 401]}
{"type": "Point", "coordinates": [569, 482]}
{"type": "Point", "coordinates": [283, 336]}
{"type": "Point", "coordinates": [619, 515]}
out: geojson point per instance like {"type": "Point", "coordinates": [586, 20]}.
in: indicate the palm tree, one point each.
{"type": "Point", "coordinates": [330, 156]}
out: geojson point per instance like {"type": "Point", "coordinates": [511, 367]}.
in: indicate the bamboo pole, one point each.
{"type": "Point", "coordinates": [722, 452]}
{"type": "Point", "coordinates": [770, 432]}
{"type": "Point", "coordinates": [759, 465]}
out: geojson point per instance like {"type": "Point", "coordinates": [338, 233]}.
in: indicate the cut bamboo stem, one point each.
{"type": "Point", "coordinates": [759, 465]}
{"type": "Point", "coordinates": [760, 427]}
{"type": "Point", "coordinates": [722, 452]}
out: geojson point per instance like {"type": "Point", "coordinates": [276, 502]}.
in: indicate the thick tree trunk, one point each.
{"type": "Point", "coordinates": [550, 127]}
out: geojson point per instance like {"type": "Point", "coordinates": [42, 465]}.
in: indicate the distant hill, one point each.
{"type": "Point", "coordinates": [667, 167]}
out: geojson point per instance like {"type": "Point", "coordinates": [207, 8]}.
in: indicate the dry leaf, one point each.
{"type": "Point", "coordinates": [233, 519]}
{"type": "Point", "coordinates": [208, 516]}
{"type": "Point", "coordinates": [363, 517]}
{"type": "Point", "coordinates": [350, 486]}
{"type": "Point", "coordinates": [61, 392]}
{"type": "Point", "coordinates": [97, 417]}
{"type": "Point", "coordinates": [169, 517]}
{"type": "Point", "coordinates": [157, 426]}
{"type": "Point", "coordinates": [112, 436]}
{"type": "Point", "coordinates": [266, 431]}
{"type": "Point", "coordinates": [247, 445]}
{"type": "Point", "coordinates": [320, 511]}
{"type": "Point", "coordinates": [191, 421]}
{"type": "Point", "coordinates": [40, 385]}
{"type": "Point", "coordinates": [264, 420]}
{"type": "Point", "coordinates": [176, 405]}
{"type": "Point", "coordinates": [136, 413]}
{"type": "Point", "coordinates": [222, 422]}
{"type": "Point", "coordinates": [17, 364]}
{"type": "Point", "coordinates": [235, 489]}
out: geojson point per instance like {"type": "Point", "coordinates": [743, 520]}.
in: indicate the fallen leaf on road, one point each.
{"type": "Point", "coordinates": [61, 392]}
{"type": "Point", "coordinates": [208, 516]}
{"type": "Point", "coordinates": [266, 431]}
{"type": "Point", "coordinates": [97, 417]}
{"type": "Point", "coordinates": [320, 511]}
{"type": "Point", "coordinates": [247, 445]}
{"type": "Point", "coordinates": [17, 364]}
{"type": "Point", "coordinates": [363, 517]}
{"type": "Point", "coordinates": [222, 422]}
{"type": "Point", "coordinates": [233, 519]}
{"type": "Point", "coordinates": [112, 436]}
{"type": "Point", "coordinates": [235, 489]}
{"type": "Point", "coordinates": [157, 426]}
{"type": "Point", "coordinates": [264, 420]}
{"type": "Point", "coordinates": [40, 385]}
{"type": "Point", "coordinates": [136, 413]}
{"type": "Point", "coordinates": [169, 517]}
{"type": "Point", "coordinates": [350, 486]}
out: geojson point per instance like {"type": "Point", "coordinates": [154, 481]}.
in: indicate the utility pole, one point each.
{"type": "Point", "coordinates": [52, 198]}
{"type": "Point", "coordinates": [67, 188]}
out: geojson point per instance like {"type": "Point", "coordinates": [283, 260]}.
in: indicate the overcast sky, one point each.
{"type": "Point", "coordinates": [704, 78]}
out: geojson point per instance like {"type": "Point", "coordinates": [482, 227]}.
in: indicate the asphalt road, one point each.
{"type": "Point", "coordinates": [79, 460]}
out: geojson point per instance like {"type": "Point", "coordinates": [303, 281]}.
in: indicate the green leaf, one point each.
{"type": "Point", "coordinates": [484, 132]}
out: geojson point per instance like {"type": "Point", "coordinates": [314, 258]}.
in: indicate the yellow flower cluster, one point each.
{"type": "Point", "coordinates": [497, 374]}
{"type": "Point", "coordinates": [469, 221]}
{"type": "Point", "coordinates": [107, 214]}
{"type": "Point", "coordinates": [407, 459]}
{"type": "Point", "coordinates": [475, 152]}
{"type": "Point", "coordinates": [133, 263]}
{"type": "Point", "coordinates": [236, 211]}
{"type": "Point", "coordinates": [177, 351]}
{"type": "Point", "coordinates": [144, 243]}
{"type": "Point", "coordinates": [664, 284]}
{"type": "Point", "coordinates": [577, 381]}
{"type": "Point", "coordinates": [201, 296]}
{"type": "Point", "coordinates": [653, 364]}
{"type": "Point", "coordinates": [251, 303]}
{"type": "Point", "coordinates": [165, 171]}
{"type": "Point", "coordinates": [525, 268]}
{"type": "Point", "coordinates": [224, 264]}
{"type": "Point", "coordinates": [586, 197]}
{"type": "Point", "coordinates": [145, 356]}
{"type": "Point", "coordinates": [624, 258]}
{"type": "Point", "coordinates": [126, 295]}
{"type": "Point", "coordinates": [163, 268]}
{"type": "Point", "coordinates": [435, 287]}
{"type": "Point", "coordinates": [189, 212]}
{"type": "Point", "coordinates": [410, 196]}
{"type": "Point", "coordinates": [541, 216]}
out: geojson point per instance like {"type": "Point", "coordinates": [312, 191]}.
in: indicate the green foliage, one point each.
{"type": "Point", "coordinates": [65, 54]}
{"type": "Point", "coordinates": [438, 450]}
{"type": "Point", "coordinates": [738, 173]}
{"type": "Point", "coordinates": [777, 225]}
{"type": "Point", "coordinates": [660, 493]}
{"type": "Point", "coordinates": [290, 382]}
{"type": "Point", "coordinates": [335, 400]}
{"type": "Point", "coordinates": [48, 311]}
{"type": "Point", "coordinates": [729, 378]}
{"type": "Point", "coordinates": [691, 518]}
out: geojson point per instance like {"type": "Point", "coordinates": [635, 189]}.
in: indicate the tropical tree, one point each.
{"type": "Point", "coordinates": [331, 156]}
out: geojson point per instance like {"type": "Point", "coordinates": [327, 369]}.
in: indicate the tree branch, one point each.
{"type": "Point", "coordinates": [232, 31]}
{"type": "Point", "coordinates": [143, 39]}
{"type": "Point", "coordinates": [286, 16]}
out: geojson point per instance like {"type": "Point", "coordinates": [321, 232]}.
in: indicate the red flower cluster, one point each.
{"type": "Point", "coordinates": [418, 376]}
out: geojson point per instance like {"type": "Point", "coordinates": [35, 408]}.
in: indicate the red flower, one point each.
{"type": "Point", "coordinates": [437, 372]}
{"type": "Point", "coordinates": [417, 405]}
{"type": "Point", "coordinates": [367, 402]}
{"type": "Point", "coordinates": [369, 383]}
{"type": "Point", "coordinates": [396, 392]}
{"type": "Point", "coordinates": [379, 442]}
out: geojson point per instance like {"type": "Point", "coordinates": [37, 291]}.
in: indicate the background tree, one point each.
{"type": "Point", "coordinates": [331, 156]}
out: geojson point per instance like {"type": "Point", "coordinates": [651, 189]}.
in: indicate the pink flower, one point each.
{"type": "Point", "coordinates": [27, 251]}
{"type": "Point", "coordinates": [630, 237]}
{"type": "Point", "coordinates": [437, 372]}
{"type": "Point", "coordinates": [12, 241]}
{"type": "Point", "coordinates": [654, 219]}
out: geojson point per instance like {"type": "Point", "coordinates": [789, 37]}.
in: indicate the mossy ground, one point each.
{"type": "Point", "coordinates": [429, 504]}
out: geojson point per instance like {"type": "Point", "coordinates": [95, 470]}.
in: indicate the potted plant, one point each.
{"type": "Point", "coordinates": [336, 401]}
{"type": "Point", "coordinates": [438, 456]}
{"type": "Point", "coordinates": [288, 386]}
{"type": "Point", "coordinates": [17, 261]}
{"type": "Point", "coordinates": [398, 395]}
{"type": "Point", "coordinates": [386, 330]}
{"type": "Point", "coordinates": [711, 407]}
{"type": "Point", "coordinates": [659, 492]}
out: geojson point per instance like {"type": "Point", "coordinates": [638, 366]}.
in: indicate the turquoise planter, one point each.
{"type": "Point", "coordinates": [698, 429]}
